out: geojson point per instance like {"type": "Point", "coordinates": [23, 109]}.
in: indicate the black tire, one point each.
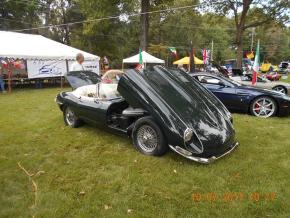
{"type": "Point", "coordinates": [70, 119]}
{"type": "Point", "coordinates": [263, 106]}
{"type": "Point", "coordinates": [145, 128]}
{"type": "Point", "coordinates": [281, 89]}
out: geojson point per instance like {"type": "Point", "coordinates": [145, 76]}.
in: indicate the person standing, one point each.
{"type": "Point", "coordinates": [2, 79]}
{"type": "Point", "coordinates": [78, 64]}
{"type": "Point", "coordinates": [106, 63]}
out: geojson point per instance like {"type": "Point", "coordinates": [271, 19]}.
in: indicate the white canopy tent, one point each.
{"type": "Point", "coordinates": [45, 57]}
{"type": "Point", "coordinates": [147, 59]}
{"type": "Point", "coordinates": [29, 46]}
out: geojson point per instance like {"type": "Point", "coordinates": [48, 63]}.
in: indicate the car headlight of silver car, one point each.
{"type": "Point", "coordinates": [187, 135]}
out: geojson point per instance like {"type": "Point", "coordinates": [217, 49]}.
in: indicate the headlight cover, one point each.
{"type": "Point", "coordinates": [187, 135]}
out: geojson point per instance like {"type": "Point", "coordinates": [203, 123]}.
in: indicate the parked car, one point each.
{"type": "Point", "coordinates": [264, 83]}
{"type": "Point", "coordinates": [245, 99]}
{"type": "Point", "coordinates": [158, 108]}
{"type": "Point", "coordinates": [284, 67]}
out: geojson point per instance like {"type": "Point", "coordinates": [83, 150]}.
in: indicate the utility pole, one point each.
{"type": "Point", "coordinates": [252, 41]}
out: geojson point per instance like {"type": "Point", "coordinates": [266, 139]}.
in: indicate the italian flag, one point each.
{"type": "Point", "coordinates": [256, 64]}
{"type": "Point", "coordinates": [173, 50]}
{"type": "Point", "coordinates": [140, 64]}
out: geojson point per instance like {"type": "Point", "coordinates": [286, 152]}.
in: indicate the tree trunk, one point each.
{"type": "Point", "coordinates": [144, 20]}
{"type": "Point", "coordinates": [239, 42]}
{"type": "Point", "coordinates": [47, 14]}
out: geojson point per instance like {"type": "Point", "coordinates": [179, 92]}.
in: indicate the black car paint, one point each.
{"type": "Point", "coordinates": [173, 103]}
{"type": "Point", "coordinates": [176, 105]}
{"type": "Point", "coordinates": [238, 98]}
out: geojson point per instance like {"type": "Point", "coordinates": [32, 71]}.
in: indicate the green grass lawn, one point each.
{"type": "Point", "coordinates": [87, 172]}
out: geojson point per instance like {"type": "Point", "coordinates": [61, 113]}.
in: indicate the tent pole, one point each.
{"type": "Point", "coordinates": [61, 81]}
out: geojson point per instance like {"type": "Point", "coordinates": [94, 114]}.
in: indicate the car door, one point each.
{"type": "Point", "coordinates": [225, 91]}
{"type": "Point", "coordinates": [93, 110]}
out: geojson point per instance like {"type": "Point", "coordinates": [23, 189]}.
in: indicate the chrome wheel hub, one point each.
{"type": "Point", "coordinates": [147, 138]}
{"type": "Point", "coordinates": [264, 107]}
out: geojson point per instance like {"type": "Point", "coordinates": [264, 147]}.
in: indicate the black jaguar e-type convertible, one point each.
{"type": "Point", "coordinates": [159, 109]}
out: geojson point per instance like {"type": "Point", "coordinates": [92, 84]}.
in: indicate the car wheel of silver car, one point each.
{"type": "Point", "coordinates": [263, 107]}
{"type": "Point", "coordinates": [70, 118]}
{"type": "Point", "coordinates": [148, 137]}
{"type": "Point", "coordinates": [281, 89]}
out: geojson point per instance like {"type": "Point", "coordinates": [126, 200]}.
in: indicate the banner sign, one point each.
{"type": "Point", "coordinates": [41, 68]}
{"type": "Point", "coordinates": [92, 66]}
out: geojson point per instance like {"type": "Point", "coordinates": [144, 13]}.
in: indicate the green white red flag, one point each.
{"type": "Point", "coordinates": [256, 66]}
{"type": "Point", "coordinates": [140, 64]}
{"type": "Point", "coordinates": [173, 50]}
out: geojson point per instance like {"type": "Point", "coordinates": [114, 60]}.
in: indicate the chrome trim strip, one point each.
{"type": "Point", "coordinates": [201, 159]}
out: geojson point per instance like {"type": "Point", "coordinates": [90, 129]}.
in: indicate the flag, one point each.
{"type": "Point", "coordinates": [173, 50]}
{"type": "Point", "coordinates": [256, 64]}
{"type": "Point", "coordinates": [205, 56]}
{"type": "Point", "coordinates": [250, 55]}
{"type": "Point", "coordinates": [140, 64]}
{"type": "Point", "coordinates": [140, 57]}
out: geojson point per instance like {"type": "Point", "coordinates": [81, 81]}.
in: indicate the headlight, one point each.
{"type": "Point", "coordinates": [187, 134]}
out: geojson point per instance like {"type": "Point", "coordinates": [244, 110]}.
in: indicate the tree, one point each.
{"type": "Point", "coordinates": [267, 10]}
{"type": "Point", "coordinates": [16, 15]}
{"type": "Point", "coordinates": [144, 20]}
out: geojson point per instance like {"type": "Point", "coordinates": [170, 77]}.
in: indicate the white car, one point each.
{"type": "Point", "coordinates": [263, 83]}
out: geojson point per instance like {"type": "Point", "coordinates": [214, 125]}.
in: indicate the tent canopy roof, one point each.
{"type": "Point", "coordinates": [30, 46]}
{"type": "Point", "coordinates": [185, 60]}
{"type": "Point", "coordinates": [147, 58]}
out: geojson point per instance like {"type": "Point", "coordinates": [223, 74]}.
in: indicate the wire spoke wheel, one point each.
{"type": "Point", "coordinates": [264, 107]}
{"type": "Point", "coordinates": [70, 116]}
{"type": "Point", "coordinates": [147, 138]}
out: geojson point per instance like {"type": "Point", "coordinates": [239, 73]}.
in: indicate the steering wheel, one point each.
{"type": "Point", "coordinates": [112, 75]}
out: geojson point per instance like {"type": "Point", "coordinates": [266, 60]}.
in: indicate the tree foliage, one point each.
{"type": "Point", "coordinates": [120, 37]}
{"type": "Point", "coordinates": [261, 11]}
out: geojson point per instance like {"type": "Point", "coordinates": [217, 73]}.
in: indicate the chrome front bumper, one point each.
{"type": "Point", "coordinates": [202, 160]}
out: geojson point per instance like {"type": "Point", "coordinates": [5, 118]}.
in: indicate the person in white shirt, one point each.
{"type": "Point", "coordinates": [77, 65]}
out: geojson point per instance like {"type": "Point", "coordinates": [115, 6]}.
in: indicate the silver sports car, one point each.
{"type": "Point", "coordinates": [263, 83]}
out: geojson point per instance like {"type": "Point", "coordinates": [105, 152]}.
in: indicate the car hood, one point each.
{"type": "Point", "coordinates": [179, 102]}
{"type": "Point", "coordinates": [82, 78]}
